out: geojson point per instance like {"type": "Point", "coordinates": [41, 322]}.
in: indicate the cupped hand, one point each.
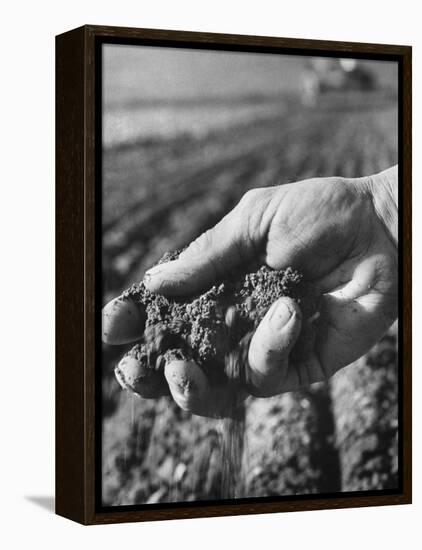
{"type": "Point", "coordinates": [331, 230]}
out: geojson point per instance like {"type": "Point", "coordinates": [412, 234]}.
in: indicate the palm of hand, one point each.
{"type": "Point", "coordinates": [327, 228]}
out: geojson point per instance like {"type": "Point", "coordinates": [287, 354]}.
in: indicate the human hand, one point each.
{"type": "Point", "coordinates": [340, 234]}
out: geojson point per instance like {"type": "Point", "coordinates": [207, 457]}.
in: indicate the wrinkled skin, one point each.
{"type": "Point", "coordinates": [328, 229]}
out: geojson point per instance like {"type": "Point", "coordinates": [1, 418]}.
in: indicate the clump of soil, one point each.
{"type": "Point", "coordinates": [214, 328]}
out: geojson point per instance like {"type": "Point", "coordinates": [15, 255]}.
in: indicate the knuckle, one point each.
{"type": "Point", "coordinates": [250, 198]}
{"type": "Point", "coordinates": [250, 211]}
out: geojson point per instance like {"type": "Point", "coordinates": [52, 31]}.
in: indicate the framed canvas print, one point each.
{"type": "Point", "coordinates": [233, 274]}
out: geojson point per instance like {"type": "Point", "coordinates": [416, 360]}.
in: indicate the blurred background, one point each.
{"type": "Point", "coordinates": [185, 134]}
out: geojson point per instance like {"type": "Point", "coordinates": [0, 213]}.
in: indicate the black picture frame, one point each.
{"type": "Point", "coordinates": [78, 252]}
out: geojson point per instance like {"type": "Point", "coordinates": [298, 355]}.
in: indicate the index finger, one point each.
{"type": "Point", "coordinates": [211, 257]}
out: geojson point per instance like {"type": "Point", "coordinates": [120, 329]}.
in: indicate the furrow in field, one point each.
{"type": "Point", "coordinates": [151, 184]}
{"type": "Point", "coordinates": [222, 187]}
{"type": "Point", "coordinates": [181, 226]}
{"type": "Point", "coordinates": [215, 152]}
{"type": "Point", "coordinates": [184, 188]}
{"type": "Point", "coordinates": [365, 409]}
{"type": "Point", "coordinates": [152, 459]}
{"type": "Point", "coordinates": [282, 447]}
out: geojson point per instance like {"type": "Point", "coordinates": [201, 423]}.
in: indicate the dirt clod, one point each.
{"type": "Point", "coordinates": [215, 328]}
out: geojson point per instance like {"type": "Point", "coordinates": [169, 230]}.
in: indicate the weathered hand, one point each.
{"type": "Point", "coordinates": [341, 235]}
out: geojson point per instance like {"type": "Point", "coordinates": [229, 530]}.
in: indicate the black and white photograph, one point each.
{"type": "Point", "coordinates": [210, 243]}
{"type": "Point", "coordinates": [250, 276]}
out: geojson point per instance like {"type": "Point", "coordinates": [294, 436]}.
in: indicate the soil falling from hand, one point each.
{"type": "Point", "coordinates": [214, 330]}
{"type": "Point", "coordinates": [232, 448]}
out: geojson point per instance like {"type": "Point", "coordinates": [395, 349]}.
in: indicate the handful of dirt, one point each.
{"type": "Point", "coordinates": [213, 329]}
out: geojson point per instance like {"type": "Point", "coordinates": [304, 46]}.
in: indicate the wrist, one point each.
{"type": "Point", "coordinates": [383, 189]}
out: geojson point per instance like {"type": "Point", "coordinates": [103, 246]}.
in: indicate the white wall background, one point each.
{"type": "Point", "coordinates": [27, 270]}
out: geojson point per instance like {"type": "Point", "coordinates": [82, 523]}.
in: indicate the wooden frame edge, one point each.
{"type": "Point", "coordinates": [70, 384]}
{"type": "Point", "coordinates": [75, 195]}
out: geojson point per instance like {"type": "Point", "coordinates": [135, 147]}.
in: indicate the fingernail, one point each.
{"type": "Point", "coordinates": [187, 382]}
{"type": "Point", "coordinates": [280, 316]}
{"type": "Point", "coordinates": [123, 321]}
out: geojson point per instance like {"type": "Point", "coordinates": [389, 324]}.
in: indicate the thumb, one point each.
{"type": "Point", "coordinates": [270, 347]}
{"type": "Point", "coordinates": [209, 258]}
